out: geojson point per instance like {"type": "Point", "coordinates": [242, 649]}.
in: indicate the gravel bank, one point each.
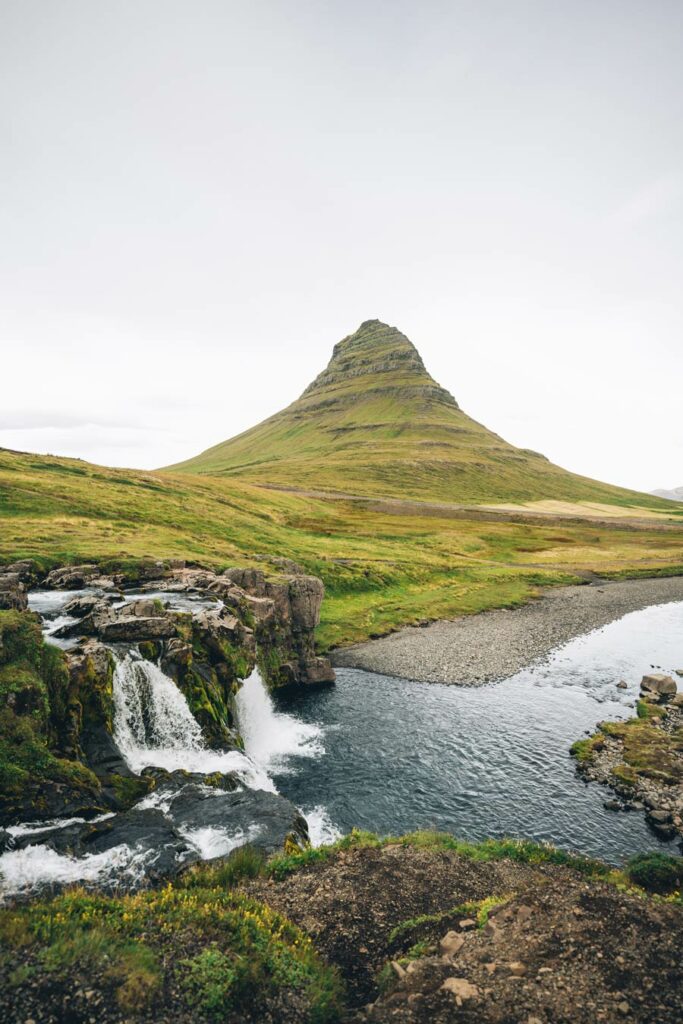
{"type": "Point", "coordinates": [477, 649]}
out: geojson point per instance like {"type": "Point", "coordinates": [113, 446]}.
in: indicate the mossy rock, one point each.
{"type": "Point", "coordinates": [35, 781]}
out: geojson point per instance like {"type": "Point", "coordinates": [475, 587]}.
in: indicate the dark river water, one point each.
{"type": "Point", "coordinates": [397, 755]}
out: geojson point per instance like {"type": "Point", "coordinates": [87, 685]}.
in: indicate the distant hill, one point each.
{"type": "Point", "coordinates": [374, 422]}
{"type": "Point", "coordinates": [675, 495]}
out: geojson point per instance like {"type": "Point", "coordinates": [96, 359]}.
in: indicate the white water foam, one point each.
{"type": "Point", "coordinates": [36, 866]}
{"type": "Point", "coordinates": [321, 828]}
{"type": "Point", "coordinates": [153, 725]}
{"type": "Point", "coordinates": [271, 737]}
{"type": "Point", "coordinates": [33, 828]}
{"type": "Point", "coordinates": [215, 841]}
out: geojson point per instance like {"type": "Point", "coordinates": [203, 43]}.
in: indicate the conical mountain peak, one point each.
{"type": "Point", "coordinates": [375, 423]}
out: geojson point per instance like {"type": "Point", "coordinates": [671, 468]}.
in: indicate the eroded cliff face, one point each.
{"type": "Point", "coordinates": [58, 756]}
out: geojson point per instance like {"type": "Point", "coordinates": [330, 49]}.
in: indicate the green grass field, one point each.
{"type": "Point", "coordinates": [383, 566]}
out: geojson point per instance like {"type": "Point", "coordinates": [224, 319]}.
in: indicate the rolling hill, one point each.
{"type": "Point", "coordinates": [374, 422]}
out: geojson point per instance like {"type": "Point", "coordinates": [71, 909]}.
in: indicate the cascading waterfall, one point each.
{"type": "Point", "coordinates": [271, 737]}
{"type": "Point", "coordinates": [150, 712]}
{"type": "Point", "coordinates": [153, 725]}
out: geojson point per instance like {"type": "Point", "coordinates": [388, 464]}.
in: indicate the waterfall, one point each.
{"type": "Point", "coordinates": [271, 737]}
{"type": "Point", "coordinates": [153, 725]}
{"type": "Point", "coordinates": [150, 711]}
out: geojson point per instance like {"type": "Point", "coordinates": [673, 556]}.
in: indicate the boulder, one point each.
{"type": "Point", "coordinates": [13, 592]}
{"type": "Point", "coordinates": [26, 570]}
{"type": "Point", "coordinates": [165, 782]}
{"type": "Point", "coordinates": [461, 989]}
{"type": "Point", "coordinates": [70, 577]}
{"type": "Point", "coordinates": [659, 684]}
{"type": "Point", "coordinates": [85, 604]}
{"type": "Point", "coordinates": [451, 943]}
{"type": "Point", "coordinates": [661, 821]}
{"type": "Point", "coordinates": [268, 820]}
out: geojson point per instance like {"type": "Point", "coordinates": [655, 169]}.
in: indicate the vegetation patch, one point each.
{"type": "Point", "coordinates": [384, 565]}
{"type": "Point", "coordinates": [222, 955]}
{"type": "Point", "coordinates": [32, 691]}
{"type": "Point", "coordinates": [656, 873]}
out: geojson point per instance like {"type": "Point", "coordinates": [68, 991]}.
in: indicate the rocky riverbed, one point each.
{"type": "Point", "coordinates": [494, 645]}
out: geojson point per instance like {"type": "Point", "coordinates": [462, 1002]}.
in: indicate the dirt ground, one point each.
{"type": "Point", "coordinates": [559, 948]}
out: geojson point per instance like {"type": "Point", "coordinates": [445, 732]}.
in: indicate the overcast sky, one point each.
{"type": "Point", "coordinates": [198, 198]}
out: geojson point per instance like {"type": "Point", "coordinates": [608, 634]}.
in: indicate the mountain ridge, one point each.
{"type": "Point", "coordinates": [375, 422]}
{"type": "Point", "coordinates": [675, 494]}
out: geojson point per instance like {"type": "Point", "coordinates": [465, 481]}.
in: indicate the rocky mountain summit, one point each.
{"type": "Point", "coordinates": [380, 358]}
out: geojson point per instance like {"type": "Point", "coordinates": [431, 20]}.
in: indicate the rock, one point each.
{"type": "Point", "coordinates": [679, 671]}
{"type": "Point", "coordinates": [623, 1008]}
{"type": "Point", "coordinates": [659, 684]}
{"type": "Point", "coordinates": [659, 816]}
{"type": "Point", "coordinates": [70, 577]}
{"type": "Point", "coordinates": [622, 685]}
{"type": "Point", "coordinates": [461, 989]}
{"type": "Point", "coordinates": [517, 968]}
{"type": "Point", "coordinates": [661, 822]}
{"type": "Point", "coordinates": [134, 628]}
{"type": "Point", "coordinates": [305, 597]}
{"type": "Point", "coordinates": [85, 604]}
{"type": "Point", "coordinates": [677, 700]}
{"type": "Point", "coordinates": [165, 782]}
{"type": "Point", "coordinates": [26, 570]}
{"type": "Point", "coordinates": [451, 944]}
{"type": "Point", "coordinates": [13, 594]}
{"type": "Point", "coordinates": [267, 819]}
{"type": "Point", "coordinates": [398, 970]}
{"type": "Point", "coordinates": [468, 924]}
{"type": "Point", "coordinates": [6, 841]}
{"type": "Point", "coordinates": [492, 931]}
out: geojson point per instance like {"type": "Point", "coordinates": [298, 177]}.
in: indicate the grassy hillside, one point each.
{"type": "Point", "coordinates": [375, 423]}
{"type": "Point", "coordinates": [383, 564]}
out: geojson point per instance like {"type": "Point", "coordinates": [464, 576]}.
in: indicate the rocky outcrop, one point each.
{"type": "Point", "coordinates": [207, 637]}
{"type": "Point", "coordinates": [641, 760]}
{"type": "Point", "coordinates": [287, 612]}
{"type": "Point", "coordinates": [188, 818]}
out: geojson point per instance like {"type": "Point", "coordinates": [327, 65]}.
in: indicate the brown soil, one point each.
{"type": "Point", "coordinates": [583, 951]}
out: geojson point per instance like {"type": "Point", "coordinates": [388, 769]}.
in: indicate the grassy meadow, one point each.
{"type": "Point", "coordinates": [383, 565]}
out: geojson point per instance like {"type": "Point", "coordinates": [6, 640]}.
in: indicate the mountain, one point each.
{"type": "Point", "coordinates": [374, 422]}
{"type": "Point", "coordinates": [674, 495]}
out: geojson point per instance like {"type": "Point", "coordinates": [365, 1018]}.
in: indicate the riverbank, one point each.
{"type": "Point", "coordinates": [493, 645]}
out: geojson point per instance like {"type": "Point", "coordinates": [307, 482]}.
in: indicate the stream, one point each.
{"type": "Point", "coordinates": [384, 754]}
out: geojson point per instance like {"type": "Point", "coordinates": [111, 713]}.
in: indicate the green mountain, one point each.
{"type": "Point", "coordinates": [374, 422]}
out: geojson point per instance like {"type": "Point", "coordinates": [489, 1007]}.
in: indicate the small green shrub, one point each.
{"type": "Point", "coordinates": [656, 872]}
